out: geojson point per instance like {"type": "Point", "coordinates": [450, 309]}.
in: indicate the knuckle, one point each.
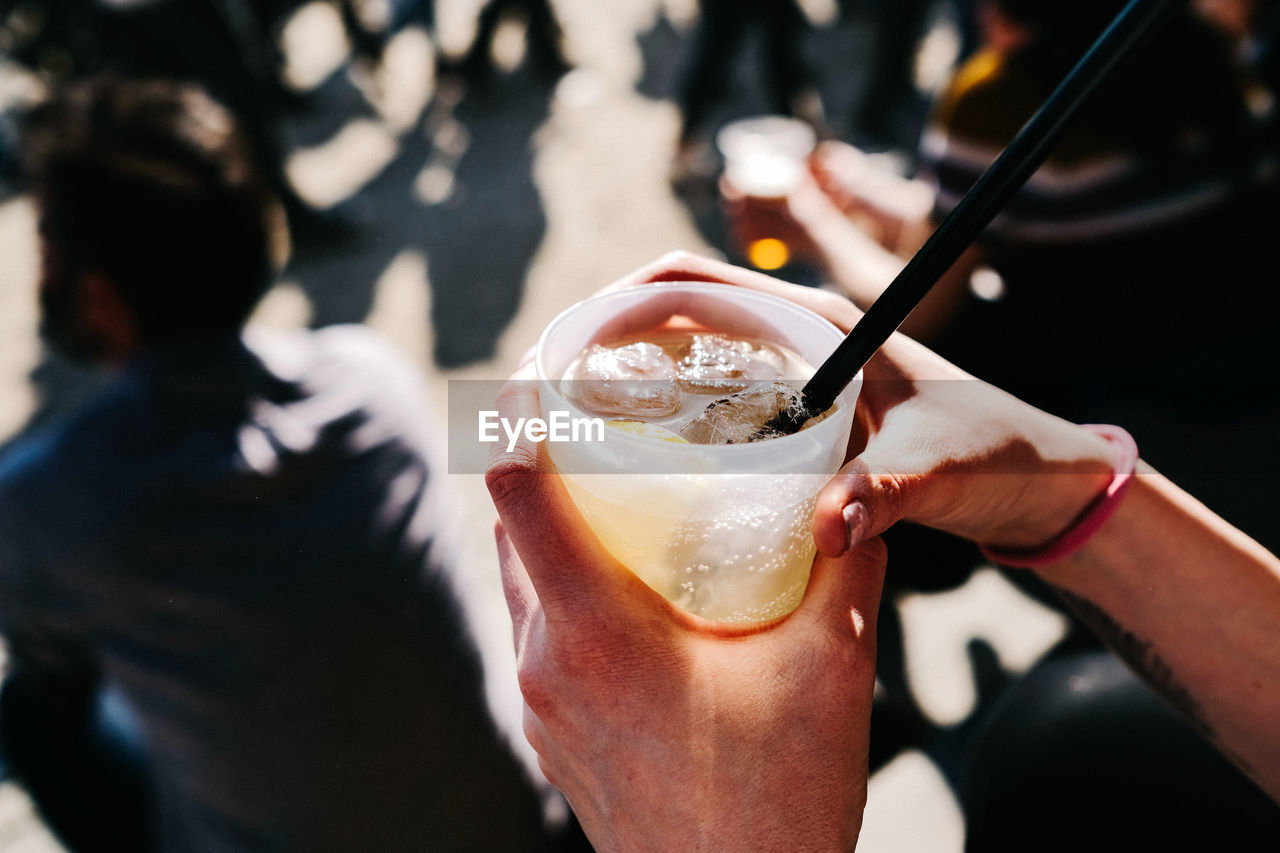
{"type": "Point", "coordinates": [890, 498]}
{"type": "Point", "coordinates": [678, 257]}
{"type": "Point", "coordinates": [533, 730]}
{"type": "Point", "coordinates": [506, 477]}
{"type": "Point", "coordinates": [536, 685]}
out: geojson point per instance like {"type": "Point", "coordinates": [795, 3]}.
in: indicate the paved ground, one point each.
{"type": "Point", "coordinates": [483, 213]}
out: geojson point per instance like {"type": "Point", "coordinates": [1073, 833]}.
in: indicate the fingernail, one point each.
{"type": "Point", "coordinates": [856, 522]}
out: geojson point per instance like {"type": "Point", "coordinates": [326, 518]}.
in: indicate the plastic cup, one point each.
{"type": "Point", "coordinates": [723, 531]}
{"type": "Point", "coordinates": [765, 158]}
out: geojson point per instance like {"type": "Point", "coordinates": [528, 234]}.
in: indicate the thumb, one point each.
{"type": "Point", "coordinates": [560, 557]}
{"type": "Point", "coordinates": [864, 499]}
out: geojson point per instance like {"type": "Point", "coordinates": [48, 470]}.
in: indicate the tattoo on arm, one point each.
{"type": "Point", "coordinates": [1139, 654]}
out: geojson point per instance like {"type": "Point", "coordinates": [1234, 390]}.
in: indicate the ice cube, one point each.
{"type": "Point", "coordinates": [637, 380]}
{"type": "Point", "coordinates": [715, 364]}
{"type": "Point", "coordinates": [739, 418]}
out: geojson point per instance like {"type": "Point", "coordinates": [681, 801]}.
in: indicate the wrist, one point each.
{"type": "Point", "coordinates": [1073, 466]}
{"type": "Point", "coordinates": [1066, 521]}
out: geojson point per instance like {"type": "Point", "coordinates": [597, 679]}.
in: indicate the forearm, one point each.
{"type": "Point", "coordinates": [1193, 605]}
{"type": "Point", "coordinates": [861, 268]}
{"type": "Point", "coordinates": [855, 262]}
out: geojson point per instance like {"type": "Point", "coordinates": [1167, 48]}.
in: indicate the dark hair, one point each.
{"type": "Point", "coordinates": [150, 184]}
{"type": "Point", "coordinates": [1183, 81]}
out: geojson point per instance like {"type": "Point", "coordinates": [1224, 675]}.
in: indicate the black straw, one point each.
{"type": "Point", "coordinates": [1028, 150]}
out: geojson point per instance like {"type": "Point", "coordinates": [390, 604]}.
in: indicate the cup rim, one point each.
{"type": "Point", "coordinates": [847, 398]}
{"type": "Point", "coordinates": [738, 130]}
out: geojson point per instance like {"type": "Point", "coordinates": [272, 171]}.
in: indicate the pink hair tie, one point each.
{"type": "Point", "coordinates": [1087, 522]}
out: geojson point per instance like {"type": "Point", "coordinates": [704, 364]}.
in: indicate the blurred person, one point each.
{"type": "Point", "coordinates": [370, 25]}
{"type": "Point", "coordinates": [1254, 28]}
{"type": "Point", "coordinates": [668, 732]}
{"type": "Point", "coordinates": [543, 40]}
{"type": "Point", "coordinates": [229, 47]}
{"type": "Point", "coordinates": [240, 545]}
{"type": "Point", "coordinates": [1159, 203]}
{"type": "Point", "coordinates": [1238, 18]}
{"type": "Point", "coordinates": [1156, 203]}
{"type": "Point", "coordinates": [724, 31]}
{"type": "Point", "coordinates": [1158, 172]}
{"type": "Point", "coordinates": [899, 28]}
{"type": "Point", "coordinates": [1128, 282]}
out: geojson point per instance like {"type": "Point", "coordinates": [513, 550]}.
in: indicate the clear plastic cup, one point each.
{"type": "Point", "coordinates": [765, 157]}
{"type": "Point", "coordinates": [724, 531]}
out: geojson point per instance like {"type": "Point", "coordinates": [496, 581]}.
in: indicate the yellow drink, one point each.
{"type": "Point", "coordinates": [740, 554]}
{"type": "Point", "coordinates": [723, 531]}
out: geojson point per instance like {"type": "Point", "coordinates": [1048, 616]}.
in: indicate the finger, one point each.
{"type": "Point", "coordinates": [899, 357]}
{"type": "Point", "coordinates": [863, 500]}
{"type": "Point", "coordinates": [681, 266]}
{"type": "Point", "coordinates": [517, 398]}
{"type": "Point", "coordinates": [835, 308]}
{"type": "Point", "coordinates": [544, 767]}
{"type": "Point", "coordinates": [686, 266]}
{"type": "Point", "coordinates": [522, 600]}
{"type": "Point", "coordinates": [535, 732]}
{"type": "Point", "coordinates": [565, 563]}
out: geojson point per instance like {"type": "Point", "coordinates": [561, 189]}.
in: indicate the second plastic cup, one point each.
{"type": "Point", "coordinates": [723, 531]}
{"type": "Point", "coordinates": [765, 157]}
